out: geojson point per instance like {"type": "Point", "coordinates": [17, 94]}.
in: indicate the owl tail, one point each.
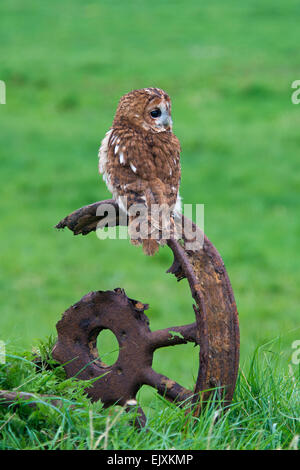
{"type": "Point", "coordinates": [150, 247]}
{"type": "Point", "coordinates": [142, 233]}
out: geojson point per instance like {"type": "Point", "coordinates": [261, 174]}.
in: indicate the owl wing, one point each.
{"type": "Point", "coordinates": [145, 169]}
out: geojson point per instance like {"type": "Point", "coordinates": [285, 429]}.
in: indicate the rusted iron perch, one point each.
{"type": "Point", "coordinates": [215, 330]}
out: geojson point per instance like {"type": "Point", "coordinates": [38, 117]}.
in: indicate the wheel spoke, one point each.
{"type": "Point", "coordinates": [173, 336]}
{"type": "Point", "coordinates": [140, 419]}
{"type": "Point", "coordinates": [166, 387]}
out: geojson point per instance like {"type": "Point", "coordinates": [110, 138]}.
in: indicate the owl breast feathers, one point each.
{"type": "Point", "coordinates": [139, 158]}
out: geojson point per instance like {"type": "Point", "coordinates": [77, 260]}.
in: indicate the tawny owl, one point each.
{"type": "Point", "coordinates": [139, 158]}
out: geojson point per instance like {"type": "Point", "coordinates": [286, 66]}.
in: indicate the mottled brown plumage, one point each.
{"type": "Point", "coordinates": [140, 159]}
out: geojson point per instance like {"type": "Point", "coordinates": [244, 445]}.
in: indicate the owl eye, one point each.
{"type": "Point", "coordinates": [156, 113]}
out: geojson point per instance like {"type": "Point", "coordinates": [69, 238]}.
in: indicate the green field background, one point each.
{"type": "Point", "coordinates": [228, 67]}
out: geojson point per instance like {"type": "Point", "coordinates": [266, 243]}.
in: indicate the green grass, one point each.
{"type": "Point", "coordinates": [228, 68]}
{"type": "Point", "coordinates": [263, 415]}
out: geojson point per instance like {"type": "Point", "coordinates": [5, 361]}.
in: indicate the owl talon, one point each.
{"type": "Point", "coordinates": [136, 242]}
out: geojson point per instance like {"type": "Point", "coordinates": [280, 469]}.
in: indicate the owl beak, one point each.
{"type": "Point", "coordinates": [167, 123]}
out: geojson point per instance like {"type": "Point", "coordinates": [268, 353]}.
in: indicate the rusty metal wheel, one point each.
{"type": "Point", "coordinates": [215, 330]}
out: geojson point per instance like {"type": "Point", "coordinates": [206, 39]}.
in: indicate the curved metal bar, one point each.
{"type": "Point", "coordinates": [201, 317]}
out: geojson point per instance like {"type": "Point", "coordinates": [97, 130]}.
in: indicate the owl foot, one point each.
{"type": "Point", "coordinates": [135, 241]}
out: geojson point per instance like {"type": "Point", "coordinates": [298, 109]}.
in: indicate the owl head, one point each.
{"type": "Point", "coordinates": [148, 109]}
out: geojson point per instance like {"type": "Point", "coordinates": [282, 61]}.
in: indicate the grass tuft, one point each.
{"type": "Point", "coordinates": [263, 415]}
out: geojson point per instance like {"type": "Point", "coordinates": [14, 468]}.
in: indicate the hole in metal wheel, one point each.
{"type": "Point", "coordinates": [108, 347]}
